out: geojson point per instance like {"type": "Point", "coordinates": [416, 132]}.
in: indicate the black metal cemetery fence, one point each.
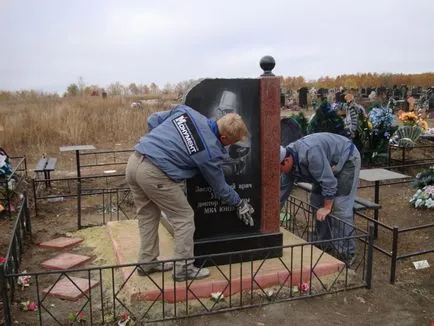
{"type": "Point", "coordinates": [393, 251]}
{"type": "Point", "coordinates": [21, 231]}
{"type": "Point", "coordinates": [113, 200]}
{"type": "Point", "coordinates": [298, 217]}
{"type": "Point", "coordinates": [105, 294]}
{"type": "Point", "coordinates": [113, 205]}
{"type": "Point", "coordinates": [102, 158]}
{"type": "Point", "coordinates": [10, 184]}
{"type": "Point", "coordinates": [404, 150]}
{"type": "Point", "coordinates": [395, 231]}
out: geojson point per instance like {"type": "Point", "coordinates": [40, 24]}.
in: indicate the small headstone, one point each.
{"type": "Point", "coordinates": [290, 131]}
{"type": "Point", "coordinates": [302, 97]}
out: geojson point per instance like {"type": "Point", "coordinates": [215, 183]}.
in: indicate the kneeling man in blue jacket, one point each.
{"type": "Point", "coordinates": [331, 163]}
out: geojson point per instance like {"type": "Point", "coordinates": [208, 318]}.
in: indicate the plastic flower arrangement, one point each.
{"type": "Point", "coordinates": [77, 317]}
{"type": "Point", "coordinates": [411, 119]}
{"type": "Point", "coordinates": [382, 119]}
{"type": "Point", "coordinates": [124, 319]}
{"type": "Point", "coordinates": [423, 124]}
{"type": "Point", "coordinates": [408, 118]}
{"type": "Point", "coordinates": [24, 281]}
{"type": "Point", "coordinates": [424, 178]}
{"type": "Point", "coordinates": [381, 124]}
{"type": "Point", "coordinates": [29, 306]}
{"type": "Point", "coordinates": [423, 198]}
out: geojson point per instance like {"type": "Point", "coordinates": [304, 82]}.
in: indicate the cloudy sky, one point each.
{"type": "Point", "coordinates": [48, 44]}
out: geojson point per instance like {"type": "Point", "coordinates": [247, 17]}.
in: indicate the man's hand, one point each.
{"type": "Point", "coordinates": [322, 213]}
{"type": "Point", "coordinates": [244, 212]}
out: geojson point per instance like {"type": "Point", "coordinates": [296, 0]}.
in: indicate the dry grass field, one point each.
{"type": "Point", "coordinates": [34, 126]}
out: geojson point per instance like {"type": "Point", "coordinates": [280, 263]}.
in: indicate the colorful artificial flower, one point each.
{"type": "Point", "coordinates": [381, 126]}
{"type": "Point", "coordinates": [304, 287]}
{"type": "Point", "coordinates": [124, 319]}
{"type": "Point", "coordinates": [24, 281]}
{"type": "Point", "coordinates": [423, 198]}
{"type": "Point", "coordinates": [423, 124]}
{"type": "Point", "coordinates": [381, 118]}
{"type": "Point", "coordinates": [408, 118]}
{"type": "Point", "coordinates": [79, 317]}
{"type": "Point", "coordinates": [29, 306]}
{"type": "Point", "coordinates": [411, 119]}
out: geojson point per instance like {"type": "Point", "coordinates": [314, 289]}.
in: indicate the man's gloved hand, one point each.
{"type": "Point", "coordinates": [244, 212]}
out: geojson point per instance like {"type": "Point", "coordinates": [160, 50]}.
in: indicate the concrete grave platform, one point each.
{"type": "Point", "coordinates": [65, 261]}
{"type": "Point", "coordinates": [65, 289]}
{"type": "Point", "coordinates": [268, 273]}
{"type": "Point", "coordinates": [60, 243]}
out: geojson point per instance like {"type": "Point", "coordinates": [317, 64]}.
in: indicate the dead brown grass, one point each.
{"type": "Point", "coordinates": [35, 126]}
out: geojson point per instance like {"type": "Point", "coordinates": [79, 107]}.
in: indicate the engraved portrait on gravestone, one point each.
{"type": "Point", "coordinates": [236, 163]}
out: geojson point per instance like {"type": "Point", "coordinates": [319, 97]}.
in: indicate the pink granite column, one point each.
{"type": "Point", "coordinates": [269, 98]}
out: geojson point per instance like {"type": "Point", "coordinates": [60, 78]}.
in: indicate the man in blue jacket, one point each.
{"type": "Point", "coordinates": [332, 164]}
{"type": "Point", "coordinates": [179, 144]}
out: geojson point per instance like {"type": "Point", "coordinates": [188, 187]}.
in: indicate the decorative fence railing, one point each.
{"type": "Point", "coordinates": [420, 154]}
{"type": "Point", "coordinates": [105, 294]}
{"type": "Point", "coordinates": [20, 232]}
{"type": "Point", "coordinates": [394, 234]}
{"type": "Point", "coordinates": [114, 203]}
{"type": "Point", "coordinates": [298, 218]}
{"type": "Point", "coordinates": [103, 158]}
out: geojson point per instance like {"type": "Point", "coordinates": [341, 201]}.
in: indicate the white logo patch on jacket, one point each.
{"type": "Point", "coordinates": [188, 133]}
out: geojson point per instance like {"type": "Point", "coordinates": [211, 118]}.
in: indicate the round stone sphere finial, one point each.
{"type": "Point", "coordinates": [267, 64]}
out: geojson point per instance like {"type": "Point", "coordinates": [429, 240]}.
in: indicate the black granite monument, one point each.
{"type": "Point", "coordinates": [218, 229]}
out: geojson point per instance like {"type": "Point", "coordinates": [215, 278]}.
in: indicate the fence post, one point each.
{"type": "Point", "coordinates": [394, 255]}
{"type": "Point", "coordinates": [25, 166]}
{"type": "Point", "coordinates": [79, 204]}
{"type": "Point", "coordinates": [371, 236]}
{"type": "Point", "coordinates": [5, 297]}
{"type": "Point", "coordinates": [27, 214]}
{"type": "Point", "coordinates": [35, 196]}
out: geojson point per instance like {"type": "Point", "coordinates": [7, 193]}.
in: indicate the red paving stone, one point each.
{"type": "Point", "coordinates": [65, 261]}
{"type": "Point", "coordinates": [60, 243]}
{"type": "Point", "coordinates": [66, 290]}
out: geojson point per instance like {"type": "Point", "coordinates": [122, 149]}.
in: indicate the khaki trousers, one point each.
{"type": "Point", "coordinates": [154, 192]}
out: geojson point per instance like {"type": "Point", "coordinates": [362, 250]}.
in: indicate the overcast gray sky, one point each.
{"type": "Point", "coordinates": [47, 44]}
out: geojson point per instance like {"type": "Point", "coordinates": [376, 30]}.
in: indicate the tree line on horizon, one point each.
{"type": "Point", "coordinates": [355, 81]}
{"type": "Point", "coordinates": [361, 80]}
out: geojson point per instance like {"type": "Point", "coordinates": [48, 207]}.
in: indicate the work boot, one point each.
{"type": "Point", "coordinates": [189, 272]}
{"type": "Point", "coordinates": [144, 270]}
